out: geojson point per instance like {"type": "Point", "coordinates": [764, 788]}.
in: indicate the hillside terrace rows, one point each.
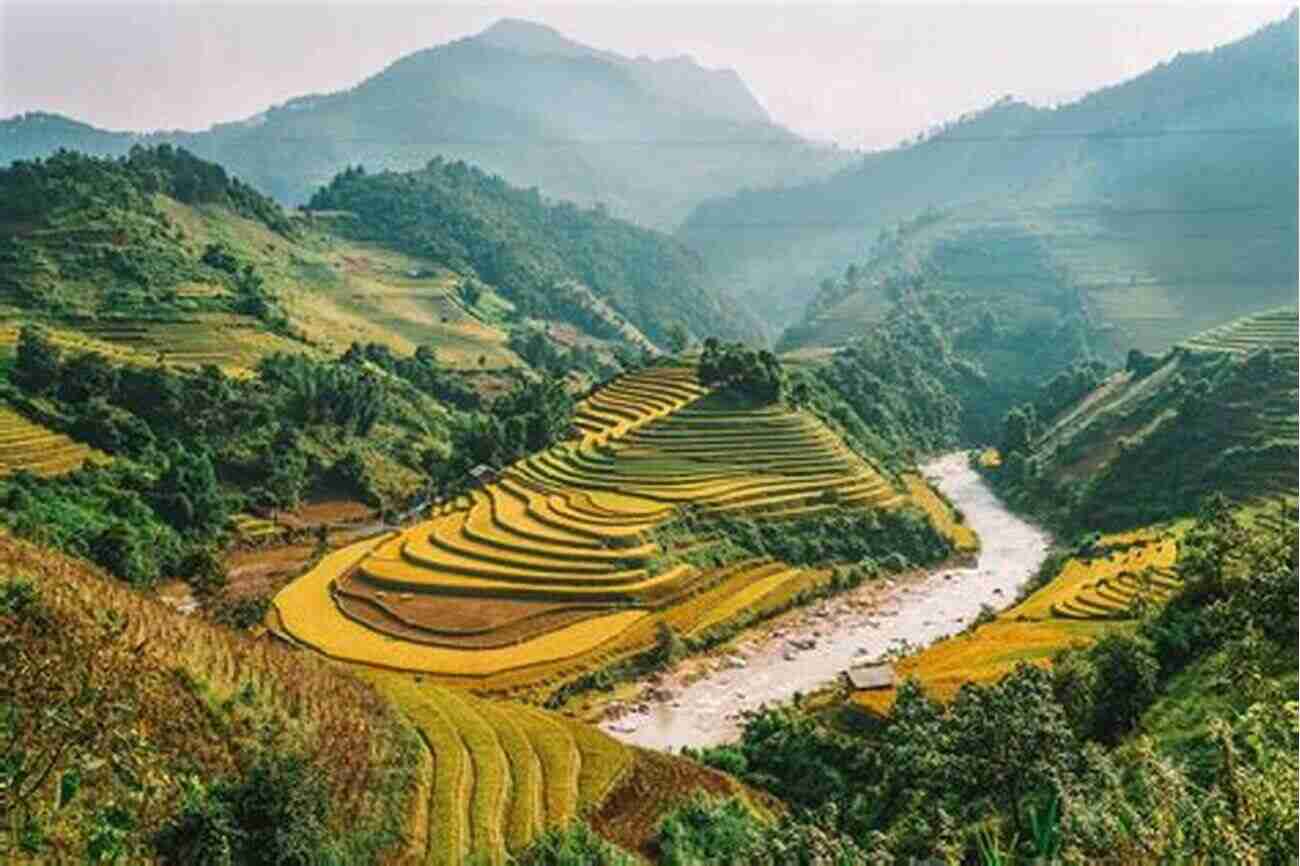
{"type": "Point", "coordinates": [26, 445]}
{"type": "Point", "coordinates": [549, 570]}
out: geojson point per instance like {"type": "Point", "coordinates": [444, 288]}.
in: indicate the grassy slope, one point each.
{"type": "Point", "coordinates": [333, 291]}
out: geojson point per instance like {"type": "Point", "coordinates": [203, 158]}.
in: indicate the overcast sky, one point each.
{"type": "Point", "coordinates": [858, 74]}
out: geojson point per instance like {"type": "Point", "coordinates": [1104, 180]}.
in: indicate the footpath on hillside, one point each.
{"type": "Point", "coordinates": [703, 702]}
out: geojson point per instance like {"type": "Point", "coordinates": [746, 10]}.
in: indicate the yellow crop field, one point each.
{"type": "Point", "coordinates": [985, 655]}
{"type": "Point", "coordinates": [1143, 557]}
{"type": "Point", "coordinates": [26, 445]}
{"type": "Point", "coordinates": [1089, 597]}
{"type": "Point", "coordinates": [504, 772]}
{"type": "Point", "coordinates": [743, 599]}
{"type": "Point", "coordinates": [963, 538]}
{"type": "Point", "coordinates": [540, 576]}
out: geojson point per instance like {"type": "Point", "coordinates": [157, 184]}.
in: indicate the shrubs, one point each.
{"type": "Point", "coordinates": [276, 814]}
{"type": "Point", "coordinates": [753, 373]}
{"type": "Point", "coordinates": [896, 539]}
{"type": "Point", "coordinates": [573, 845]}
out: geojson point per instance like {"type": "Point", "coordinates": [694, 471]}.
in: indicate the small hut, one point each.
{"type": "Point", "coordinates": [482, 474]}
{"type": "Point", "coordinates": [868, 677]}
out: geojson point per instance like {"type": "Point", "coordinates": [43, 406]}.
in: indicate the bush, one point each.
{"type": "Point", "coordinates": [574, 845]}
{"type": "Point", "coordinates": [276, 815]}
{"type": "Point", "coordinates": [1128, 667]}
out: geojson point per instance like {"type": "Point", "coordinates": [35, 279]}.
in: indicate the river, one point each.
{"type": "Point", "coordinates": [709, 698]}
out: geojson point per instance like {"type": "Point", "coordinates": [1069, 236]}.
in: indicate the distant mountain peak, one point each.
{"type": "Point", "coordinates": [532, 37]}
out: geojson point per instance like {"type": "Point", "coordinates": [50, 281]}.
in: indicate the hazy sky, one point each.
{"type": "Point", "coordinates": [862, 75]}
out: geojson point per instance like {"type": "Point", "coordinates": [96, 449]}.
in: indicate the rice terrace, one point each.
{"type": "Point", "coordinates": [428, 440]}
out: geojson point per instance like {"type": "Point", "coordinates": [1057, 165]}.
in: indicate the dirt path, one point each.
{"type": "Point", "coordinates": [702, 702]}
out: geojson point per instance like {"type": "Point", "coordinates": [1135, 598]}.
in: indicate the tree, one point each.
{"type": "Point", "coordinates": [678, 338]}
{"type": "Point", "coordinates": [1128, 668]}
{"type": "Point", "coordinates": [1011, 739]}
{"type": "Point", "coordinates": [470, 293]}
{"type": "Point", "coordinates": [1019, 430]}
{"type": "Point", "coordinates": [36, 368]}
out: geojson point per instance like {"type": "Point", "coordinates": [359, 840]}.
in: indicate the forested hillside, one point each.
{"type": "Point", "coordinates": [547, 258]}
{"type": "Point", "coordinates": [647, 139]}
{"type": "Point", "coordinates": [1164, 205]}
{"type": "Point", "coordinates": [1214, 414]}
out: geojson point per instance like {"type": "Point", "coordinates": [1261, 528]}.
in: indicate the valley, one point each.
{"type": "Point", "coordinates": [709, 703]}
{"type": "Point", "coordinates": [537, 454]}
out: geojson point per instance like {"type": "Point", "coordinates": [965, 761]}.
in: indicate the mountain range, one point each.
{"type": "Point", "coordinates": [648, 139]}
{"type": "Point", "coordinates": [1160, 206]}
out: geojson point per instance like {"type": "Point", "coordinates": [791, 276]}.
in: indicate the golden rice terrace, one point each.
{"type": "Point", "coordinates": [549, 570]}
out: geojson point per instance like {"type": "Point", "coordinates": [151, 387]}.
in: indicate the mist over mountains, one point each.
{"type": "Point", "coordinates": [647, 139]}
{"type": "Point", "coordinates": [1159, 184]}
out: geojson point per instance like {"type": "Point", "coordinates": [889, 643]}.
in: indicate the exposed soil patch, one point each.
{"type": "Point", "coordinates": [329, 511]}
{"type": "Point", "coordinates": [454, 621]}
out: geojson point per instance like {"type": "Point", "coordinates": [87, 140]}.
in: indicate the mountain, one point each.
{"type": "Point", "coordinates": [1166, 204]}
{"type": "Point", "coordinates": [552, 261]}
{"type": "Point", "coordinates": [163, 252]}
{"type": "Point", "coordinates": [648, 139]}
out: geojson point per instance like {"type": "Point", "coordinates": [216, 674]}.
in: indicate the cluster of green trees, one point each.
{"type": "Point", "coordinates": [1094, 760]}
{"type": "Point", "coordinates": [545, 355]}
{"type": "Point", "coordinates": [193, 447]}
{"type": "Point", "coordinates": [752, 373]}
{"type": "Point", "coordinates": [893, 539]}
{"type": "Point", "coordinates": [908, 385]}
{"type": "Point", "coordinates": [532, 249]}
{"type": "Point", "coordinates": [189, 449]}
{"type": "Point", "coordinates": [36, 190]}
{"type": "Point", "coordinates": [529, 418]}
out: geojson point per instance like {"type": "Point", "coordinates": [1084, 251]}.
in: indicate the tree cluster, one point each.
{"type": "Point", "coordinates": [752, 373]}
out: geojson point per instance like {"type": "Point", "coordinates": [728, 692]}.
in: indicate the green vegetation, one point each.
{"type": "Point", "coordinates": [1066, 762]}
{"type": "Point", "coordinates": [1217, 414]}
{"type": "Point", "coordinates": [554, 261]}
{"type": "Point", "coordinates": [750, 373]}
{"type": "Point", "coordinates": [193, 448]}
{"type": "Point", "coordinates": [895, 538]}
{"type": "Point", "coordinates": [87, 235]}
{"type": "Point", "coordinates": [135, 734]}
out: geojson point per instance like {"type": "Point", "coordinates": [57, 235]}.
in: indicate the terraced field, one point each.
{"type": "Point", "coordinates": [1275, 329]}
{"type": "Point", "coordinates": [1089, 597]}
{"type": "Point", "coordinates": [548, 572]}
{"type": "Point", "coordinates": [24, 444]}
